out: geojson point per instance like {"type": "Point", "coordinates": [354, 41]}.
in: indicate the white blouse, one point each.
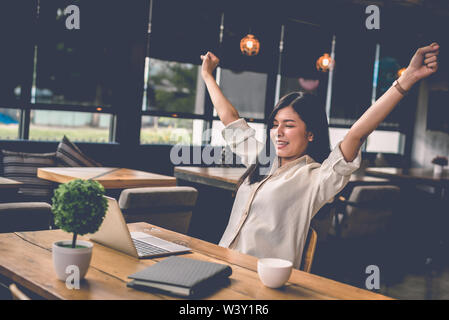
{"type": "Point", "coordinates": [271, 218]}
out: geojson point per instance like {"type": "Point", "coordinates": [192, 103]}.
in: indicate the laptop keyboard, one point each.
{"type": "Point", "coordinates": [145, 249]}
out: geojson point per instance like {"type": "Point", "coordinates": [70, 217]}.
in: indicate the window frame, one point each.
{"type": "Point", "coordinates": [25, 105]}
{"type": "Point", "coordinates": [405, 140]}
{"type": "Point", "coordinates": [208, 113]}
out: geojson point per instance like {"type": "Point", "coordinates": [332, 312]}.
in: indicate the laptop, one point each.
{"type": "Point", "coordinates": [114, 233]}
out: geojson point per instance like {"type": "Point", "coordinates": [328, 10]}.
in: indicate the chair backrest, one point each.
{"type": "Point", "coordinates": [322, 221]}
{"type": "Point", "coordinates": [25, 216]}
{"type": "Point", "coordinates": [167, 207]}
{"type": "Point", "coordinates": [309, 251]}
{"type": "Point", "coordinates": [16, 293]}
{"type": "Point", "coordinates": [369, 210]}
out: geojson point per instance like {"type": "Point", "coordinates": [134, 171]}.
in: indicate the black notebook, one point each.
{"type": "Point", "coordinates": [181, 276]}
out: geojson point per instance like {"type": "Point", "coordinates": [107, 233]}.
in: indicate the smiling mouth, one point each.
{"type": "Point", "coordinates": [281, 144]}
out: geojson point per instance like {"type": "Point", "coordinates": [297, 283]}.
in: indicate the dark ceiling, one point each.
{"type": "Point", "coordinates": [336, 14]}
{"type": "Point", "coordinates": [437, 7]}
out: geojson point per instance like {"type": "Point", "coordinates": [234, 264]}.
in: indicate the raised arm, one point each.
{"type": "Point", "coordinates": [225, 110]}
{"type": "Point", "coordinates": [423, 64]}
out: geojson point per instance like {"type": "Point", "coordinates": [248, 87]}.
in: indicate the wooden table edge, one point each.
{"type": "Point", "coordinates": [438, 182]}
{"type": "Point", "coordinates": [141, 226]}
{"type": "Point", "coordinates": [355, 293]}
{"type": "Point", "coordinates": [136, 183]}
{"type": "Point", "coordinates": [212, 181]}
{"type": "Point", "coordinates": [42, 173]}
{"type": "Point", "coordinates": [8, 183]}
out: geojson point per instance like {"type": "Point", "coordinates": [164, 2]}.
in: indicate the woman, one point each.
{"type": "Point", "coordinates": [273, 208]}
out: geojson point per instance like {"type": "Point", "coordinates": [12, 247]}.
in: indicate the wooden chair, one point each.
{"type": "Point", "coordinates": [309, 251]}
{"type": "Point", "coordinates": [17, 294]}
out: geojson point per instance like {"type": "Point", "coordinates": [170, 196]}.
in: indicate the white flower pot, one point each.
{"type": "Point", "coordinates": [64, 257]}
{"type": "Point", "coordinates": [437, 170]}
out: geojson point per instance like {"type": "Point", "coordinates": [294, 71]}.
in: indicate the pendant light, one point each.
{"type": "Point", "coordinates": [325, 63]}
{"type": "Point", "coordinates": [250, 45]}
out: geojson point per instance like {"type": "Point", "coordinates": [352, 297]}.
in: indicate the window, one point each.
{"type": "Point", "coordinates": [336, 135]}
{"type": "Point", "coordinates": [303, 45]}
{"type": "Point", "coordinates": [386, 142]}
{"type": "Point", "coordinates": [246, 91]}
{"type": "Point", "coordinates": [183, 30]}
{"type": "Point", "coordinates": [78, 126]}
{"type": "Point", "coordinates": [165, 130]}
{"type": "Point", "coordinates": [437, 111]}
{"type": "Point", "coordinates": [65, 82]}
{"type": "Point", "coordinates": [357, 73]}
{"type": "Point", "coordinates": [298, 69]}
{"type": "Point", "coordinates": [217, 127]}
{"type": "Point", "coordinates": [378, 141]}
{"type": "Point", "coordinates": [173, 87]}
{"type": "Point", "coordinates": [16, 18]}
{"type": "Point", "coordinates": [74, 67]}
{"type": "Point", "coordinates": [9, 123]}
{"type": "Point", "coordinates": [247, 81]}
{"type": "Point", "coordinates": [394, 56]}
{"type": "Point", "coordinates": [173, 104]}
{"type": "Point", "coordinates": [311, 84]}
{"type": "Point", "coordinates": [353, 74]}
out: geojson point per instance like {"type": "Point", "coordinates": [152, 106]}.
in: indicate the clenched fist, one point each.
{"type": "Point", "coordinates": [424, 62]}
{"type": "Point", "coordinates": [210, 62]}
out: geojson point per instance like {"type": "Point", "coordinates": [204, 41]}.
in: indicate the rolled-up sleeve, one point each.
{"type": "Point", "coordinates": [240, 137]}
{"type": "Point", "coordinates": [332, 176]}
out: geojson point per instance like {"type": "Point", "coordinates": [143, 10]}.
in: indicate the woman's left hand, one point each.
{"type": "Point", "coordinates": [424, 62]}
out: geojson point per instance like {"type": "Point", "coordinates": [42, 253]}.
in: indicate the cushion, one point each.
{"type": "Point", "coordinates": [69, 155]}
{"type": "Point", "coordinates": [21, 166]}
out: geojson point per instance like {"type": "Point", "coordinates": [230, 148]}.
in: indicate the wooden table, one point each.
{"type": "Point", "coordinates": [110, 178]}
{"type": "Point", "coordinates": [414, 176]}
{"type": "Point", "coordinates": [6, 183]}
{"type": "Point", "coordinates": [8, 189]}
{"type": "Point", "coordinates": [227, 178]}
{"type": "Point", "coordinates": [219, 177]}
{"type": "Point", "coordinates": [26, 259]}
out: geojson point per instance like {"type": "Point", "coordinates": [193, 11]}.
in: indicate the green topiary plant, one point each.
{"type": "Point", "coordinates": [79, 207]}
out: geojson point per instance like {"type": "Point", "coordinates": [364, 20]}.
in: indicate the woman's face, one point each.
{"type": "Point", "coordinates": [289, 135]}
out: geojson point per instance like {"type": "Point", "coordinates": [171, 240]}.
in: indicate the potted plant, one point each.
{"type": "Point", "coordinates": [79, 208]}
{"type": "Point", "coordinates": [438, 163]}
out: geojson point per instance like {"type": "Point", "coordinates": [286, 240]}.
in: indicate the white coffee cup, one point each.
{"type": "Point", "coordinates": [273, 272]}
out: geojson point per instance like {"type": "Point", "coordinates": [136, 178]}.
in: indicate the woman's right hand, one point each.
{"type": "Point", "coordinates": [210, 62]}
{"type": "Point", "coordinates": [225, 110]}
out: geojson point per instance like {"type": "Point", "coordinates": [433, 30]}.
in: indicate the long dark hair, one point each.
{"type": "Point", "coordinates": [307, 106]}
